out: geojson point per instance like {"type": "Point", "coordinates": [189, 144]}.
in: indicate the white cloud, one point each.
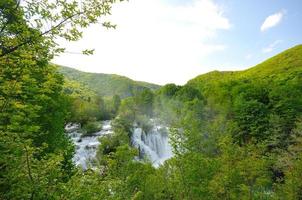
{"type": "Point", "coordinates": [272, 20]}
{"type": "Point", "coordinates": [154, 41]}
{"type": "Point", "coordinates": [271, 47]}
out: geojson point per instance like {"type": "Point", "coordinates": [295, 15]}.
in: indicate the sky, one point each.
{"type": "Point", "coordinates": [173, 41]}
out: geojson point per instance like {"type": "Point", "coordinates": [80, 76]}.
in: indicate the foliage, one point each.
{"type": "Point", "coordinates": [144, 102]}
{"type": "Point", "coordinates": [76, 90]}
{"type": "Point", "coordinates": [107, 85]}
{"type": "Point", "coordinates": [235, 135]}
{"type": "Point", "coordinates": [86, 107]}
{"type": "Point", "coordinates": [35, 159]}
{"type": "Point", "coordinates": [90, 127]}
{"type": "Point", "coordinates": [255, 98]}
{"type": "Point", "coordinates": [39, 23]}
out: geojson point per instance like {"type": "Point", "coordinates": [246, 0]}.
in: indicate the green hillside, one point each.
{"type": "Point", "coordinates": [260, 99]}
{"type": "Point", "coordinates": [107, 85]}
{"type": "Point", "coordinates": [75, 89]}
{"type": "Point", "coordinates": [287, 63]}
{"type": "Point", "coordinates": [276, 72]}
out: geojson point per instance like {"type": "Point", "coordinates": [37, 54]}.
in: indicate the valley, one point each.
{"type": "Point", "coordinates": [67, 134]}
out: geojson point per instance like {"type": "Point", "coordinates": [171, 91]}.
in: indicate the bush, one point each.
{"type": "Point", "coordinates": [91, 127]}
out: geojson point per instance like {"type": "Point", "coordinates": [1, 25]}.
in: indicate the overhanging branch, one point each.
{"type": "Point", "coordinates": [31, 39]}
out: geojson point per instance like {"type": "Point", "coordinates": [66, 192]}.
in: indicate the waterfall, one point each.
{"type": "Point", "coordinates": [153, 145]}
{"type": "Point", "coordinates": [86, 147]}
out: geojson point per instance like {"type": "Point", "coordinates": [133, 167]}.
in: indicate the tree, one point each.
{"type": "Point", "coordinates": [116, 101]}
{"type": "Point", "coordinates": [144, 102]}
{"type": "Point", "coordinates": [30, 23]}
{"type": "Point", "coordinates": [32, 118]}
{"type": "Point", "coordinates": [35, 154]}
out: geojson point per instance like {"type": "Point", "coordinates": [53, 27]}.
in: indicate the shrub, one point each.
{"type": "Point", "coordinates": [90, 128]}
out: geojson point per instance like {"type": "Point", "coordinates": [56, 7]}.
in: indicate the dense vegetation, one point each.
{"type": "Point", "coordinates": [235, 135]}
{"type": "Point", "coordinates": [94, 97]}
{"type": "Point", "coordinates": [107, 85]}
{"type": "Point", "coordinates": [35, 158]}
{"type": "Point", "coordinates": [87, 108]}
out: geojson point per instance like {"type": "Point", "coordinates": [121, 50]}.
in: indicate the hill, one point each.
{"type": "Point", "coordinates": [285, 64]}
{"type": "Point", "coordinates": [106, 85]}
{"type": "Point", "coordinates": [260, 99]}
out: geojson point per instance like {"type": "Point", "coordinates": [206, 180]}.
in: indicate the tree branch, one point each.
{"type": "Point", "coordinates": [29, 172]}
{"type": "Point", "coordinates": [30, 40]}
{"type": "Point", "coordinates": [28, 165]}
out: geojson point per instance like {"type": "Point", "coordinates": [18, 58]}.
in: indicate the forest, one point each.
{"type": "Point", "coordinates": [234, 135]}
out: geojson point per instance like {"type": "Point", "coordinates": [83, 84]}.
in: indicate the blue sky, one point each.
{"type": "Point", "coordinates": [246, 41]}
{"type": "Point", "coordinates": [164, 41]}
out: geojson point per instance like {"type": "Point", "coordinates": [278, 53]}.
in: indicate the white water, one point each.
{"type": "Point", "coordinates": [86, 147]}
{"type": "Point", "coordinates": [153, 145]}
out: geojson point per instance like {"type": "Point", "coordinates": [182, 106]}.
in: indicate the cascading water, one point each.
{"type": "Point", "coordinates": [86, 147]}
{"type": "Point", "coordinates": [153, 145]}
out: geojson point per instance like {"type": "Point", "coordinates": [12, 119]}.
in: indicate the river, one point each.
{"type": "Point", "coordinates": [153, 145]}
